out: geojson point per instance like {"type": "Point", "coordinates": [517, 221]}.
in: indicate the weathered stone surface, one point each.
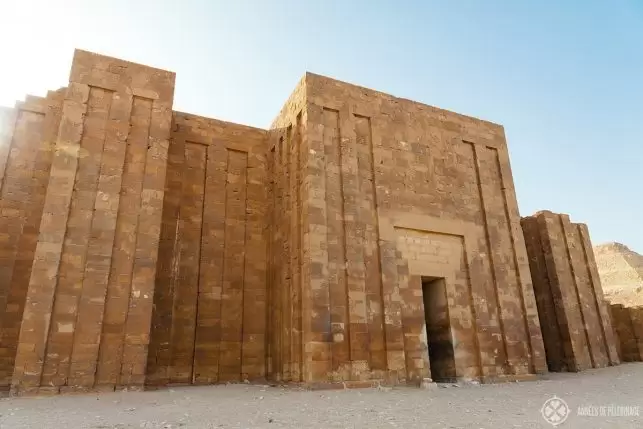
{"type": "Point", "coordinates": [628, 329]}
{"type": "Point", "coordinates": [574, 315]}
{"type": "Point", "coordinates": [209, 319]}
{"type": "Point", "coordinates": [97, 236]}
{"type": "Point", "coordinates": [29, 133]}
{"type": "Point", "coordinates": [362, 239]}
{"type": "Point", "coordinates": [394, 195]}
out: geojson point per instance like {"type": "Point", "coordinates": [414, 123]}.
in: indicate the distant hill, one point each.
{"type": "Point", "coordinates": [621, 272]}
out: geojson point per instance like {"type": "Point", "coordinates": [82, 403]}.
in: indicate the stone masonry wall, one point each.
{"type": "Point", "coordinates": [209, 319]}
{"type": "Point", "coordinates": [574, 316]}
{"type": "Point", "coordinates": [301, 253]}
{"type": "Point", "coordinates": [29, 133]}
{"type": "Point", "coordinates": [89, 294]}
{"type": "Point", "coordinates": [288, 273]}
{"type": "Point", "coordinates": [397, 191]}
{"type": "Point", "coordinates": [628, 329]}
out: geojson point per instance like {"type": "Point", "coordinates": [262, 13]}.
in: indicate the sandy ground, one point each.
{"type": "Point", "coordinates": [514, 405]}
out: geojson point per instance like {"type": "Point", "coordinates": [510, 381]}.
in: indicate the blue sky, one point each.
{"type": "Point", "coordinates": [564, 78]}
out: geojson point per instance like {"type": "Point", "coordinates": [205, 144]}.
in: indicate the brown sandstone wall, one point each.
{"type": "Point", "coordinates": [297, 253]}
{"type": "Point", "coordinates": [29, 133]}
{"type": "Point", "coordinates": [288, 269]}
{"type": "Point", "coordinates": [209, 320]}
{"type": "Point", "coordinates": [575, 320]}
{"type": "Point", "coordinates": [400, 190]}
{"type": "Point", "coordinates": [628, 329]}
{"type": "Point", "coordinates": [89, 295]}
{"type": "Point", "coordinates": [636, 316]}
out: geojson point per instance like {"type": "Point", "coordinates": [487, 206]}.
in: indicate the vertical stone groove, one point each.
{"type": "Point", "coordinates": [290, 215]}
{"type": "Point", "coordinates": [378, 248]}
{"type": "Point", "coordinates": [523, 307]}
{"type": "Point", "coordinates": [270, 283]}
{"type": "Point", "coordinates": [303, 142]}
{"type": "Point", "coordinates": [336, 237]}
{"type": "Point", "coordinates": [576, 291]}
{"type": "Point", "coordinates": [223, 265]}
{"type": "Point", "coordinates": [243, 265]}
{"type": "Point", "coordinates": [136, 195]}
{"type": "Point", "coordinates": [596, 305]}
{"type": "Point", "coordinates": [198, 267]}
{"type": "Point", "coordinates": [342, 202]}
{"type": "Point", "coordinates": [494, 280]}
{"type": "Point", "coordinates": [474, 315]}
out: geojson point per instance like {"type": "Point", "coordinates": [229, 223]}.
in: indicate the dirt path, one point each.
{"type": "Point", "coordinates": [515, 405]}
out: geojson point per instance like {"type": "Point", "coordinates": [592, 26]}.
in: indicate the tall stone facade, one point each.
{"type": "Point", "coordinates": [82, 197]}
{"type": "Point", "coordinates": [361, 239]}
{"type": "Point", "coordinates": [574, 316]}
{"type": "Point", "coordinates": [404, 208]}
{"type": "Point", "coordinates": [210, 307]}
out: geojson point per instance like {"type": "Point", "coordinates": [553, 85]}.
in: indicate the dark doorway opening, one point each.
{"type": "Point", "coordinates": [438, 329]}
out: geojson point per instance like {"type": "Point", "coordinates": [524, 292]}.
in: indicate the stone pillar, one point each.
{"type": "Point", "coordinates": [574, 317]}
{"type": "Point", "coordinates": [92, 281]}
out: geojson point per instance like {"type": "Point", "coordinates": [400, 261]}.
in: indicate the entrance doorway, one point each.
{"type": "Point", "coordinates": [438, 329]}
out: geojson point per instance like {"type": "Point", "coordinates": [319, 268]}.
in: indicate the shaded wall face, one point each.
{"type": "Point", "coordinates": [636, 316]}
{"type": "Point", "coordinates": [288, 275]}
{"type": "Point", "coordinates": [29, 133]}
{"type": "Point", "coordinates": [628, 329]}
{"type": "Point", "coordinates": [574, 317]}
{"type": "Point", "coordinates": [209, 320]}
{"type": "Point", "coordinates": [383, 169]}
{"type": "Point", "coordinates": [89, 292]}
{"type": "Point", "coordinates": [553, 321]}
{"type": "Point", "coordinates": [285, 253]}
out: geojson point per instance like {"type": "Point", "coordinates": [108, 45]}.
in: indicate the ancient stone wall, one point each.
{"type": "Point", "coordinates": [628, 329]}
{"type": "Point", "coordinates": [402, 191]}
{"type": "Point", "coordinates": [288, 270]}
{"type": "Point", "coordinates": [574, 316]}
{"type": "Point", "coordinates": [209, 320]}
{"type": "Point", "coordinates": [26, 145]}
{"type": "Point", "coordinates": [89, 293]}
{"type": "Point", "coordinates": [363, 238]}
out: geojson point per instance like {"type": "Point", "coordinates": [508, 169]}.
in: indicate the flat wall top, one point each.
{"type": "Point", "coordinates": [549, 214]}
{"type": "Point", "coordinates": [114, 74]}
{"type": "Point", "coordinates": [157, 84]}
{"type": "Point", "coordinates": [325, 87]}
{"type": "Point", "coordinates": [198, 129]}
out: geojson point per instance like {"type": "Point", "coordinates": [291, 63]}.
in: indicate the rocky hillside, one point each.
{"type": "Point", "coordinates": [621, 272]}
